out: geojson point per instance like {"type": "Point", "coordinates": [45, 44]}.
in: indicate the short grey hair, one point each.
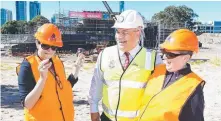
{"type": "Point", "coordinates": [142, 36]}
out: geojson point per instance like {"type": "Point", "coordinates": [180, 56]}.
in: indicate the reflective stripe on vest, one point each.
{"type": "Point", "coordinates": [129, 114]}
{"type": "Point", "coordinates": [150, 56]}
{"type": "Point", "coordinates": [128, 84]}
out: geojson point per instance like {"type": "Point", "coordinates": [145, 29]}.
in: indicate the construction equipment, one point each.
{"type": "Point", "coordinates": [109, 10]}
{"type": "Point", "coordinates": [91, 55]}
{"type": "Point", "coordinates": [121, 6]}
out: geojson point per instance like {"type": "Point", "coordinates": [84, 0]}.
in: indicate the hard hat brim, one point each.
{"type": "Point", "coordinates": [126, 26]}
{"type": "Point", "coordinates": [41, 39]}
{"type": "Point", "coordinates": [167, 47]}
{"type": "Point", "coordinates": [174, 48]}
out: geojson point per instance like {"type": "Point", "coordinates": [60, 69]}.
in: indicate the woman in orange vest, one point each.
{"type": "Point", "coordinates": [45, 92]}
{"type": "Point", "coordinates": [174, 92]}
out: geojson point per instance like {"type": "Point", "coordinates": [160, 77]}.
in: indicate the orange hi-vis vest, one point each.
{"type": "Point", "coordinates": [55, 104]}
{"type": "Point", "coordinates": [160, 104]}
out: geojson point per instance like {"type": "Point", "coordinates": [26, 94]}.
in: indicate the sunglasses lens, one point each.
{"type": "Point", "coordinates": [54, 48]}
{"type": "Point", "coordinates": [45, 47]}
{"type": "Point", "coordinates": [171, 55]}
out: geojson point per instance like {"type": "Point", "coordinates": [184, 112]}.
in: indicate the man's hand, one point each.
{"type": "Point", "coordinates": [95, 116]}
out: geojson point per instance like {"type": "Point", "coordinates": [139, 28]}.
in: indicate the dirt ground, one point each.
{"type": "Point", "coordinates": [208, 67]}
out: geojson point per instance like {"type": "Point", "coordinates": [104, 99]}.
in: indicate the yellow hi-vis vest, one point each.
{"type": "Point", "coordinates": [124, 89]}
{"type": "Point", "coordinates": [55, 104]}
{"type": "Point", "coordinates": [166, 104]}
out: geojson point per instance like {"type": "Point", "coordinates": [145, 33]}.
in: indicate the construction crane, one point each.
{"type": "Point", "coordinates": [121, 6]}
{"type": "Point", "coordinates": [114, 16]}
{"type": "Point", "coordinates": [109, 10]}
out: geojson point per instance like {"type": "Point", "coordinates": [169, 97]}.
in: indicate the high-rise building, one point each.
{"type": "Point", "coordinates": [6, 15]}
{"type": "Point", "coordinates": [34, 9]}
{"type": "Point", "coordinates": [21, 10]}
{"type": "Point", "coordinates": [9, 15]}
{"type": "Point", "coordinates": [3, 16]}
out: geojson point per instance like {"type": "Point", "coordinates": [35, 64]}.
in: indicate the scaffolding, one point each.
{"type": "Point", "coordinates": [87, 33]}
{"type": "Point", "coordinates": [157, 32]}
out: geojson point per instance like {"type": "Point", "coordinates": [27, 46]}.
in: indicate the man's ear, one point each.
{"type": "Point", "coordinates": [138, 33]}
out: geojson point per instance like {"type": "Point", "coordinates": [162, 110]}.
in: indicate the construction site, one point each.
{"type": "Point", "coordinates": [90, 30]}
{"type": "Point", "coordinates": [93, 33]}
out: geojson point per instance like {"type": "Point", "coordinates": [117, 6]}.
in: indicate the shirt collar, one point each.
{"type": "Point", "coordinates": [132, 52]}
{"type": "Point", "coordinates": [184, 71]}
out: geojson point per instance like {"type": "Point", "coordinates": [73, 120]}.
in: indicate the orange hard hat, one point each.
{"type": "Point", "coordinates": [183, 40]}
{"type": "Point", "coordinates": [49, 34]}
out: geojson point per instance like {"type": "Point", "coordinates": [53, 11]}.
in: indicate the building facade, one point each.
{"type": "Point", "coordinates": [6, 15]}
{"type": "Point", "coordinates": [34, 9]}
{"type": "Point", "coordinates": [21, 10]}
{"type": "Point", "coordinates": [217, 27]}
{"type": "Point", "coordinates": [209, 27]}
{"type": "Point", "coordinates": [9, 15]}
{"type": "Point", "coordinates": [3, 16]}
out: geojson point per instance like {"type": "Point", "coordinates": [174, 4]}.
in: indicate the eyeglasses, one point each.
{"type": "Point", "coordinates": [46, 47]}
{"type": "Point", "coordinates": [170, 55]}
{"type": "Point", "coordinates": [125, 32]}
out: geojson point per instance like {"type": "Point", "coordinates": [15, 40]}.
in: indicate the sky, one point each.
{"type": "Point", "coordinates": [207, 10]}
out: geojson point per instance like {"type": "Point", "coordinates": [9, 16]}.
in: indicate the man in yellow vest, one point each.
{"type": "Point", "coordinates": [122, 71]}
{"type": "Point", "coordinates": [174, 92]}
{"type": "Point", "coordinates": [45, 91]}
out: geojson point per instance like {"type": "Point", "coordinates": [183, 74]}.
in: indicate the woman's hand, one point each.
{"type": "Point", "coordinates": [78, 64]}
{"type": "Point", "coordinates": [32, 98]}
{"type": "Point", "coordinates": [43, 68]}
{"type": "Point", "coordinates": [80, 60]}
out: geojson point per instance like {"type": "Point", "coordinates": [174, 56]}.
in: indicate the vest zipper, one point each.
{"type": "Point", "coordinates": [162, 89]}
{"type": "Point", "coordinates": [149, 103]}
{"type": "Point", "coordinates": [119, 96]}
{"type": "Point", "coordinates": [124, 70]}
{"type": "Point", "coordinates": [59, 101]}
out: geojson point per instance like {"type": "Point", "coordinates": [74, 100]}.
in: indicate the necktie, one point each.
{"type": "Point", "coordinates": [127, 60]}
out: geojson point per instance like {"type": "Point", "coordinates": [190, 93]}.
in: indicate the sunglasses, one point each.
{"type": "Point", "coordinates": [46, 47]}
{"type": "Point", "coordinates": [170, 55]}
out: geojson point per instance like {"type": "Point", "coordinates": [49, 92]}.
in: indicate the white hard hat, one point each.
{"type": "Point", "coordinates": [129, 19]}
